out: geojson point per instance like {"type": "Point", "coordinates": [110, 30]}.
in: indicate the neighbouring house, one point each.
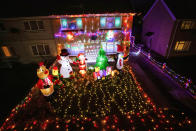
{"type": "Point", "coordinates": [169, 28]}
{"type": "Point", "coordinates": [27, 39]}
{"type": "Point", "coordinates": [31, 39]}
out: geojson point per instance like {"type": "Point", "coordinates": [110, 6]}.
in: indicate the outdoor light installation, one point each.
{"type": "Point", "coordinates": [91, 30]}
{"type": "Point", "coordinates": [44, 83]}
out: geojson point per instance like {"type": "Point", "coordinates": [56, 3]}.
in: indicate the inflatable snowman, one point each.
{"type": "Point", "coordinates": [66, 69]}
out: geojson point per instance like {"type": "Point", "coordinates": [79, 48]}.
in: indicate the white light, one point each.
{"type": "Point", "coordinates": [136, 53]}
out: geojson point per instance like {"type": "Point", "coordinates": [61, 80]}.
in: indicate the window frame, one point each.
{"type": "Point", "coordinates": [185, 47]}
{"type": "Point", "coordinates": [11, 51]}
{"type": "Point", "coordinates": [37, 25]}
{"type": "Point", "coordinates": [187, 23]}
{"type": "Point", "coordinates": [38, 53]}
{"type": "Point", "coordinates": [108, 28]}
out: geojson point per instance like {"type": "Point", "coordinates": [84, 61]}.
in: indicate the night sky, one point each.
{"type": "Point", "coordinates": [13, 8]}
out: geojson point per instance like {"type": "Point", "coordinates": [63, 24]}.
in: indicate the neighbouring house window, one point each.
{"type": "Point", "coordinates": [33, 25]}
{"type": "Point", "coordinates": [182, 45]}
{"type": "Point", "coordinates": [8, 51]}
{"type": "Point", "coordinates": [41, 49]}
{"type": "Point", "coordinates": [187, 25]}
{"type": "Point", "coordinates": [2, 27]}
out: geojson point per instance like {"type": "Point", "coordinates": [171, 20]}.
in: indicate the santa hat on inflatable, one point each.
{"type": "Point", "coordinates": [80, 54]}
{"type": "Point", "coordinates": [119, 49]}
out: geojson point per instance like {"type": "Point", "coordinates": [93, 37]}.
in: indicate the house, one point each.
{"type": "Point", "coordinates": [27, 39]}
{"type": "Point", "coordinates": [169, 28]}
{"type": "Point", "coordinates": [33, 39]}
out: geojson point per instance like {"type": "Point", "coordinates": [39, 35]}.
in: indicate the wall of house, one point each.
{"type": "Point", "coordinates": [184, 35]}
{"type": "Point", "coordinates": [22, 40]}
{"type": "Point", "coordinates": [161, 23]}
{"type": "Point", "coordinates": [92, 25]}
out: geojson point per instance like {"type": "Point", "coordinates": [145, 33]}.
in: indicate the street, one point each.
{"type": "Point", "coordinates": [161, 88]}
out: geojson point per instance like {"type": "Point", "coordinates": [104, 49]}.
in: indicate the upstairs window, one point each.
{"type": "Point", "coordinates": [33, 25]}
{"type": "Point", "coordinates": [187, 25]}
{"type": "Point", "coordinates": [110, 22]}
{"type": "Point", "coordinates": [182, 45]}
{"type": "Point", "coordinates": [41, 49]}
{"type": "Point", "coordinates": [71, 23]}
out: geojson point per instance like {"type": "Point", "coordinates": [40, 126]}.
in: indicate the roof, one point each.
{"type": "Point", "coordinates": [181, 9]}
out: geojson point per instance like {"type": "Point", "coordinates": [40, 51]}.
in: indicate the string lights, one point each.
{"type": "Point", "coordinates": [115, 103]}
{"type": "Point", "coordinates": [185, 82]}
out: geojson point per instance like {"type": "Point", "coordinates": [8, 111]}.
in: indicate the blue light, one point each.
{"type": "Point", "coordinates": [102, 21]}
{"type": "Point", "coordinates": [72, 26]}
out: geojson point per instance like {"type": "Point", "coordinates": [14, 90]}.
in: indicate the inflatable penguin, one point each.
{"type": "Point", "coordinates": [120, 58]}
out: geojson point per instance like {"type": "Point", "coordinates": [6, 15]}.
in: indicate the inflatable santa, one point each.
{"type": "Point", "coordinates": [81, 61]}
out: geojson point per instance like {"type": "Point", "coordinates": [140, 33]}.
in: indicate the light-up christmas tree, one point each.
{"type": "Point", "coordinates": [102, 60]}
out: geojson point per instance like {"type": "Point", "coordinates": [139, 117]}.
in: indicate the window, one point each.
{"type": "Point", "coordinates": [182, 45]}
{"type": "Point", "coordinates": [34, 25]}
{"type": "Point", "coordinates": [71, 23]}
{"type": "Point", "coordinates": [41, 49]}
{"type": "Point", "coordinates": [188, 24]}
{"type": "Point", "coordinates": [2, 27]}
{"type": "Point", "coordinates": [110, 22]}
{"type": "Point", "coordinates": [110, 47]}
{"type": "Point", "coordinates": [8, 51]}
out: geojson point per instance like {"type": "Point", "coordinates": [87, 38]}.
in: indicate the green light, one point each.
{"type": "Point", "coordinates": [79, 22]}
{"type": "Point", "coordinates": [68, 46]}
{"type": "Point", "coordinates": [102, 60]}
{"type": "Point", "coordinates": [63, 23]}
{"type": "Point", "coordinates": [117, 22]}
{"type": "Point", "coordinates": [110, 35]}
{"type": "Point", "coordinates": [102, 21]}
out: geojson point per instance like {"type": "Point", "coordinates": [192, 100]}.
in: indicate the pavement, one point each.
{"type": "Point", "coordinates": [161, 88]}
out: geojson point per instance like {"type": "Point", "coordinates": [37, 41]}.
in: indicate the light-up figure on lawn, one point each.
{"type": "Point", "coordinates": [44, 83]}
{"type": "Point", "coordinates": [120, 58]}
{"type": "Point", "coordinates": [81, 60]}
{"type": "Point", "coordinates": [102, 60]}
{"type": "Point", "coordinates": [66, 69]}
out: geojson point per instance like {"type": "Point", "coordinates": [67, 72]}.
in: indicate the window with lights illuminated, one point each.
{"type": "Point", "coordinates": [187, 25]}
{"type": "Point", "coordinates": [182, 45]}
{"type": "Point", "coordinates": [110, 22]}
{"type": "Point", "coordinates": [71, 24]}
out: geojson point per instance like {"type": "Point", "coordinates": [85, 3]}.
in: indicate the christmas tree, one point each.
{"type": "Point", "coordinates": [102, 60]}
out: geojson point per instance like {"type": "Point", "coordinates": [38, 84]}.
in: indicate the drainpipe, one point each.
{"type": "Point", "coordinates": [52, 30]}
{"type": "Point", "coordinates": [172, 39]}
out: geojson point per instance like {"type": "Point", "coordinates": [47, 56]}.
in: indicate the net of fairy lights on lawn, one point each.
{"type": "Point", "coordinates": [115, 103]}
